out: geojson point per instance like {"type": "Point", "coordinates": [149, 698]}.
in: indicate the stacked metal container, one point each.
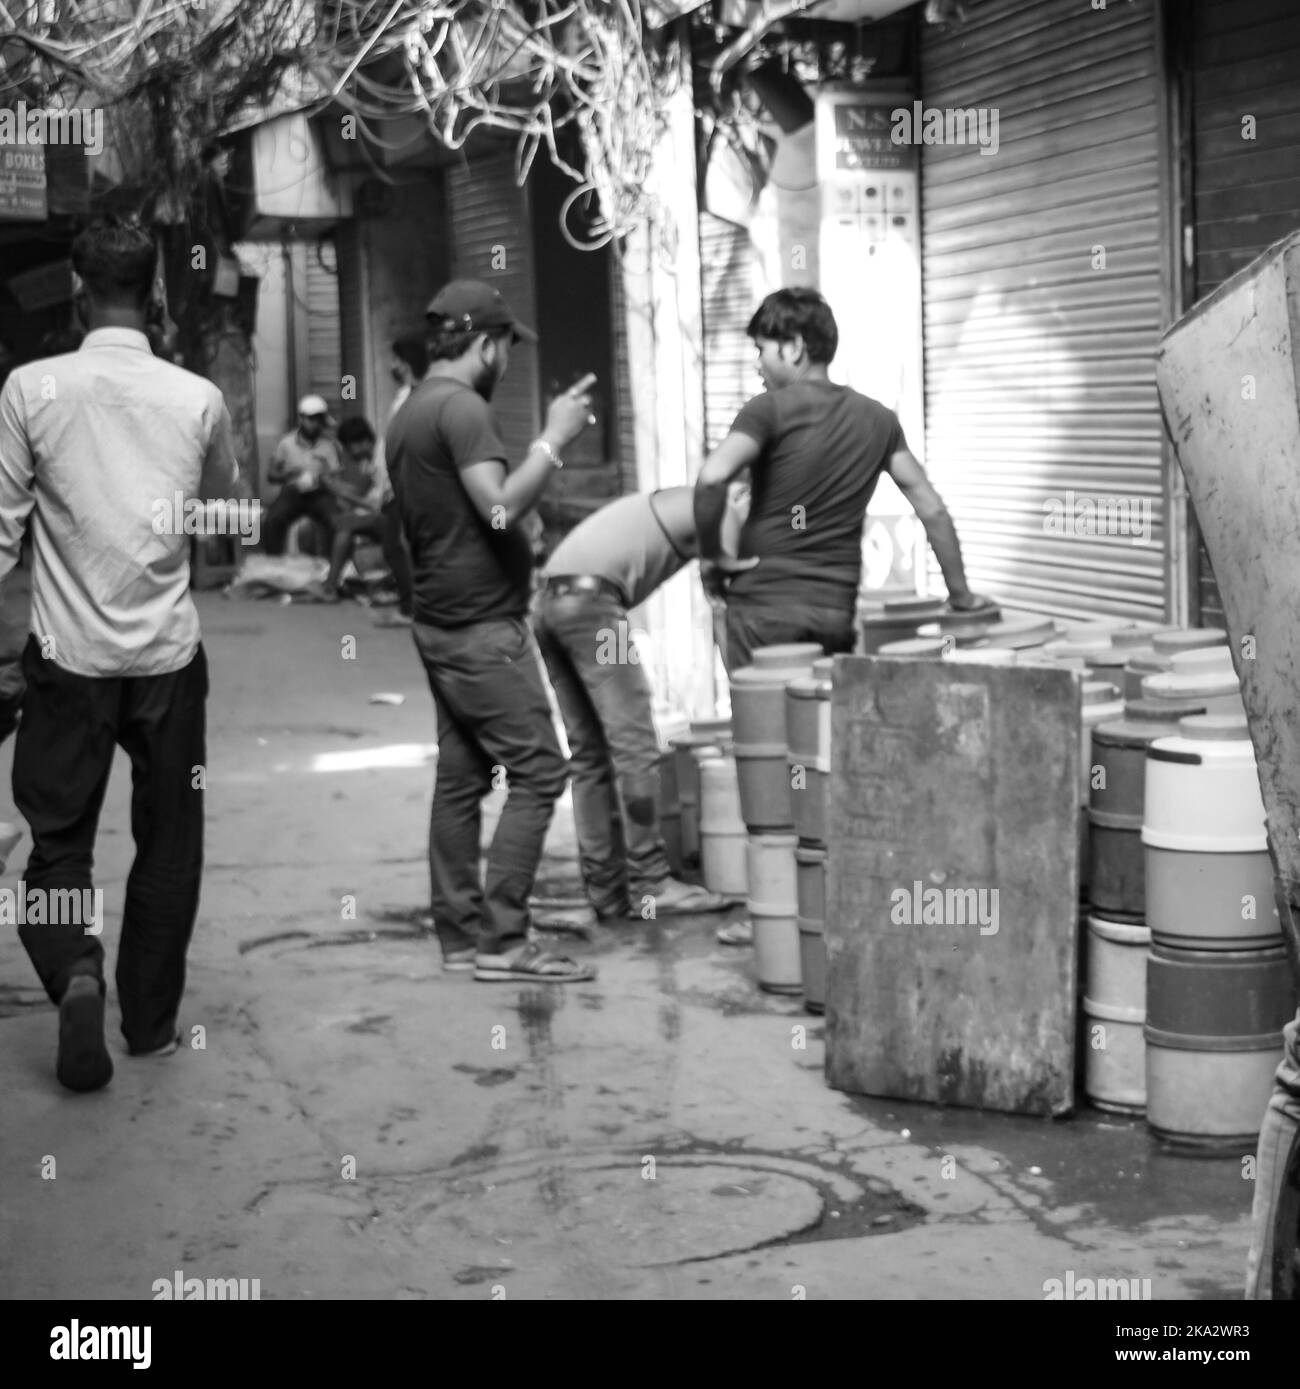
{"type": "Point", "coordinates": [762, 765]}
{"type": "Point", "coordinates": [1219, 987]}
{"type": "Point", "coordinates": [808, 735]}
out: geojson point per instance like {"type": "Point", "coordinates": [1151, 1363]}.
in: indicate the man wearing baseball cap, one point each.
{"type": "Point", "coordinates": [471, 566]}
{"type": "Point", "coordinates": [306, 461]}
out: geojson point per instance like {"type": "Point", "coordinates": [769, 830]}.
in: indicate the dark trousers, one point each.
{"type": "Point", "coordinates": [606, 700]}
{"type": "Point", "coordinates": [347, 528]}
{"type": "Point", "coordinates": [494, 729]}
{"type": "Point", "coordinates": [396, 556]}
{"type": "Point", "coordinates": [71, 727]}
{"type": "Point", "coordinates": [289, 506]}
{"type": "Point", "coordinates": [751, 625]}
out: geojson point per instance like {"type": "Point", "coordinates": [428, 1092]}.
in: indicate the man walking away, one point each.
{"type": "Point", "coordinates": [410, 362]}
{"type": "Point", "coordinates": [816, 451]}
{"type": "Point", "coordinates": [613, 561]}
{"type": "Point", "coordinates": [90, 444]}
{"type": "Point", "coordinates": [472, 569]}
{"type": "Point", "coordinates": [305, 461]}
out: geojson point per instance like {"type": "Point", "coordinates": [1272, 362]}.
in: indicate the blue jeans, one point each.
{"type": "Point", "coordinates": [605, 699]}
{"type": "Point", "coordinates": [494, 723]}
{"type": "Point", "coordinates": [1279, 1146]}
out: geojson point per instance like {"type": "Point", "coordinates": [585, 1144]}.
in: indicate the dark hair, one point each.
{"type": "Point", "coordinates": [448, 345]}
{"type": "Point", "coordinates": [804, 312]}
{"type": "Point", "coordinates": [410, 348]}
{"type": "Point", "coordinates": [116, 258]}
{"type": "Point", "coordinates": [356, 430]}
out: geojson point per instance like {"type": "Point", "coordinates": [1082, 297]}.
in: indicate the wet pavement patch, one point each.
{"type": "Point", "coordinates": [496, 1075]}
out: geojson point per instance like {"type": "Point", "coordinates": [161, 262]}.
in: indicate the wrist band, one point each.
{"type": "Point", "coordinates": [546, 448]}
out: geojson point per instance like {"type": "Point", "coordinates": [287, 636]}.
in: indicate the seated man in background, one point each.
{"type": "Point", "coordinates": [303, 461]}
{"type": "Point", "coordinates": [359, 491]}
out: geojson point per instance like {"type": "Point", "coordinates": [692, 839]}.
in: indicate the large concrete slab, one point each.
{"type": "Point", "coordinates": [952, 883]}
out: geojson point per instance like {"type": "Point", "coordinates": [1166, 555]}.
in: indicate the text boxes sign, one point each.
{"type": "Point", "coordinates": [952, 883]}
{"type": "Point", "coordinates": [22, 183]}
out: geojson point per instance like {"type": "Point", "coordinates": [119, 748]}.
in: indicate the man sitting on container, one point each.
{"type": "Point", "coordinates": [359, 490]}
{"type": "Point", "coordinates": [815, 451]}
{"type": "Point", "coordinates": [613, 561]}
{"type": "Point", "coordinates": [304, 461]}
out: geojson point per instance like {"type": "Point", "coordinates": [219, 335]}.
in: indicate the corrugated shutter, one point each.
{"type": "Point", "coordinates": [324, 336]}
{"type": "Point", "coordinates": [727, 293]}
{"type": "Point", "coordinates": [491, 240]}
{"type": "Point", "coordinates": [1245, 57]}
{"type": "Point", "coordinates": [1039, 368]}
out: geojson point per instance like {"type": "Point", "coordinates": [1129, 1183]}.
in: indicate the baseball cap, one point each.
{"type": "Point", "coordinates": [313, 405]}
{"type": "Point", "coordinates": [471, 306]}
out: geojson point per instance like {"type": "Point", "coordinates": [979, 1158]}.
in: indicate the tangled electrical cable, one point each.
{"type": "Point", "coordinates": [529, 68]}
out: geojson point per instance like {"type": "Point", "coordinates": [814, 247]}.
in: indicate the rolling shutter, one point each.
{"type": "Point", "coordinates": [324, 337]}
{"type": "Point", "coordinates": [1039, 366]}
{"type": "Point", "coordinates": [491, 241]}
{"type": "Point", "coordinates": [727, 294]}
{"type": "Point", "coordinates": [1245, 57]}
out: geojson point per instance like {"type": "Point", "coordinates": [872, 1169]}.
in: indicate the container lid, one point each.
{"type": "Point", "coordinates": [775, 841]}
{"type": "Point", "coordinates": [913, 607]}
{"type": "Point", "coordinates": [1188, 639]}
{"type": "Point", "coordinates": [1086, 646]}
{"type": "Point", "coordinates": [1128, 638]}
{"type": "Point", "coordinates": [1202, 658]}
{"type": "Point", "coordinates": [1214, 728]}
{"type": "Point", "coordinates": [767, 678]}
{"type": "Point", "coordinates": [957, 636]}
{"type": "Point", "coordinates": [795, 653]}
{"type": "Point", "coordinates": [1204, 683]}
{"type": "Point", "coordinates": [808, 687]}
{"type": "Point", "coordinates": [1086, 637]}
{"type": "Point", "coordinates": [804, 854]}
{"type": "Point", "coordinates": [1147, 661]}
{"type": "Point", "coordinates": [824, 667]}
{"type": "Point", "coordinates": [693, 740]}
{"type": "Point", "coordinates": [1110, 659]}
{"type": "Point", "coordinates": [710, 725]}
{"type": "Point", "coordinates": [1100, 692]}
{"type": "Point", "coordinates": [914, 646]}
{"type": "Point", "coordinates": [1021, 631]}
{"type": "Point", "coordinates": [1161, 710]}
{"type": "Point", "coordinates": [1133, 733]}
{"type": "Point", "coordinates": [891, 593]}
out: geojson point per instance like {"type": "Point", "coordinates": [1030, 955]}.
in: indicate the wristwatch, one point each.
{"type": "Point", "coordinates": [546, 448]}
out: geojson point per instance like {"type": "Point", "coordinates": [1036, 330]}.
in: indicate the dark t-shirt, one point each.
{"type": "Point", "coordinates": [823, 448]}
{"type": "Point", "coordinates": [463, 570]}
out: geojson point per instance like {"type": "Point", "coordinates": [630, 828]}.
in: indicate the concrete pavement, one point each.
{"type": "Point", "coordinates": [348, 1121]}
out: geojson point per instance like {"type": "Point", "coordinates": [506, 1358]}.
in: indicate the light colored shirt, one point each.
{"type": "Point", "coordinates": [629, 543]}
{"type": "Point", "coordinates": [383, 483]}
{"type": "Point", "coordinates": [296, 458]}
{"type": "Point", "coordinates": [95, 447]}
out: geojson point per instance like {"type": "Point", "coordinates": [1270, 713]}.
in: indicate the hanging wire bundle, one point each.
{"type": "Point", "coordinates": [529, 68]}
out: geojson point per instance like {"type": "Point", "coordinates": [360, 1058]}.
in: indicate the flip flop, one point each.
{"type": "Point", "coordinates": [530, 964]}
{"type": "Point", "coordinates": [738, 933]}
